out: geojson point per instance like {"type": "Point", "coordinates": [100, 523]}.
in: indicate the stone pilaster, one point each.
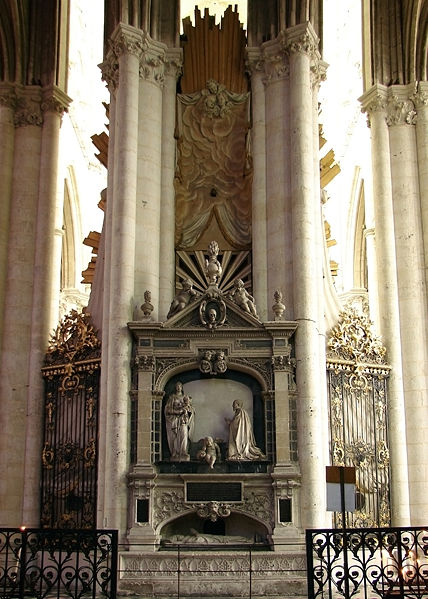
{"type": "Point", "coordinates": [167, 225]}
{"type": "Point", "coordinates": [259, 224]}
{"type": "Point", "coordinates": [374, 102]}
{"type": "Point", "coordinates": [302, 47]}
{"type": "Point", "coordinates": [412, 293]}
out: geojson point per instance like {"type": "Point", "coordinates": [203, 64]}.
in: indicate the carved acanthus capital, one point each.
{"type": "Point", "coordinates": [420, 97]}
{"type": "Point", "coordinates": [152, 61]}
{"type": "Point", "coordinates": [374, 101]}
{"type": "Point", "coordinates": [400, 111]}
{"type": "Point", "coordinates": [145, 362]}
{"type": "Point", "coordinates": [110, 72]}
{"type": "Point", "coordinates": [282, 362]}
{"type": "Point", "coordinates": [28, 107]}
{"type": "Point", "coordinates": [302, 39]}
{"type": "Point", "coordinates": [173, 62]}
{"type": "Point", "coordinates": [275, 61]}
{"type": "Point", "coordinates": [318, 72]}
{"type": "Point", "coordinates": [54, 100]}
{"type": "Point", "coordinates": [127, 40]}
{"type": "Point", "coordinates": [7, 95]}
{"type": "Point", "coordinates": [254, 61]}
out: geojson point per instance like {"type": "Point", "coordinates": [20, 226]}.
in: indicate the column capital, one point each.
{"type": "Point", "coordinates": [400, 109]}
{"type": "Point", "coordinates": [173, 62]}
{"type": "Point", "coordinates": [55, 100]}
{"type": "Point", "coordinates": [420, 96]}
{"type": "Point", "coordinates": [110, 72]}
{"type": "Point", "coordinates": [7, 95]}
{"type": "Point", "coordinates": [127, 40]}
{"type": "Point", "coordinates": [274, 60]}
{"type": "Point", "coordinates": [254, 62]}
{"type": "Point", "coordinates": [28, 106]}
{"type": "Point", "coordinates": [152, 61]}
{"type": "Point", "coordinates": [302, 39]}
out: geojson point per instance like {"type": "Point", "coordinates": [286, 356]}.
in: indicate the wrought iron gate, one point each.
{"type": "Point", "coordinates": [357, 390]}
{"type": "Point", "coordinates": [69, 457]}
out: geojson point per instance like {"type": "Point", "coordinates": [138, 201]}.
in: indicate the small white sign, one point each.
{"type": "Point", "coordinates": [334, 503]}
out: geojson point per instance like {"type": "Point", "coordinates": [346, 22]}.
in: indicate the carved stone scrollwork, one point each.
{"type": "Point", "coordinates": [213, 361]}
{"type": "Point", "coordinates": [146, 362]}
{"type": "Point", "coordinates": [168, 504]}
{"type": "Point", "coordinates": [213, 510]}
{"type": "Point", "coordinates": [259, 504]}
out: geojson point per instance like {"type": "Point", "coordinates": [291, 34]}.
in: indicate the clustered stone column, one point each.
{"type": "Point", "coordinates": [402, 288]}
{"type": "Point", "coordinates": [286, 162]}
{"type": "Point", "coordinates": [140, 168]}
{"type": "Point", "coordinates": [30, 208]}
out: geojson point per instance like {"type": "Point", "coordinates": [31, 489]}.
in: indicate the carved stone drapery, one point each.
{"type": "Point", "coordinates": [214, 172]}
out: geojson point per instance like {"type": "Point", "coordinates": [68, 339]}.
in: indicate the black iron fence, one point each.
{"type": "Point", "coordinates": [58, 563]}
{"type": "Point", "coordinates": [367, 563]}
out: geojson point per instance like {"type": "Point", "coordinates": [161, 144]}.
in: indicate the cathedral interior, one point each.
{"type": "Point", "coordinates": [201, 306]}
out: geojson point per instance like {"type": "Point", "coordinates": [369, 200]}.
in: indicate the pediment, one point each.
{"type": "Point", "coordinates": [199, 315]}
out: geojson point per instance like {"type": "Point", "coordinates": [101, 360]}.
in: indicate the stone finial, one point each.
{"type": "Point", "coordinates": [147, 307]}
{"type": "Point", "coordinates": [278, 307]}
{"type": "Point", "coordinates": [213, 268]}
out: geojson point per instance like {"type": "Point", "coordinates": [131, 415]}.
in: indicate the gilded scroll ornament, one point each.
{"type": "Point", "coordinates": [74, 339]}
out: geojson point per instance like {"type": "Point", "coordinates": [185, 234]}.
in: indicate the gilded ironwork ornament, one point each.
{"type": "Point", "coordinates": [74, 339]}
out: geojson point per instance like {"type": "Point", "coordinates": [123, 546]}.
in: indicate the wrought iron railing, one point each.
{"type": "Point", "coordinates": [72, 564]}
{"type": "Point", "coordinates": [367, 562]}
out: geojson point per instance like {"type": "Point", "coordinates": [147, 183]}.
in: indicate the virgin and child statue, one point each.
{"type": "Point", "coordinates": [180, 421]}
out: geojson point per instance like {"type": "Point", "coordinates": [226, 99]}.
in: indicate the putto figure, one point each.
{"type": "Point", "coordinates": [183, 298]}
{"type": "Point", "coordinates": [242, 444]}
{"type": "Point", "coordinates": [242, 298]}
{"type": "Point", "coordinates": [213, 269]}
{"type": "Point", "coordinates": [210, 452]}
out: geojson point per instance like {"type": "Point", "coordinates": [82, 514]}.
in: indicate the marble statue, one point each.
{"type": "Point", "coordinates": [242, 298]}
{"type": "Point", "coordinates": [201, 538]}
{"type": "Point", "coordinates": [210, 452]}
{"type": "Point", "coordinates": [242, 444]}
{"type": "Point", "coordinates": [184, 296]}
{"type": "Point", "coordinates": [179, 420]}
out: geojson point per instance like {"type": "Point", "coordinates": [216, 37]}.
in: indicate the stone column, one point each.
{"type": "Point", "coordinates": [14, 379]}
{"type": "Point", "coordinates": [258, 148]}
{"type": "Point", "coordinates": [7, 136]}
{"type": "Point", "coordinates": [412, 292]}
{"type": "Point", "coordinates": [44, 314]}
{"type": "Point", "coordinates": [127, 46]}
{"type": "Point", "coordinates": [277, 157]}
{"type": "Point", "coordinates": [149, 172]}
{"type": "Point", "coordinates": [374, 103]}
{"type": "Point", "coordinates": [421, 103]}
{"type": "Point", "coordinates": [302, 45]}
{"type": "Point", "coordinates": [110, 75]}
{"type": "Point", "coordinates": [167, 224]}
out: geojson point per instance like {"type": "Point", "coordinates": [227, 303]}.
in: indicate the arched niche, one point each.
{"type": "Point", "coordinates": [236, 529]}
{"type": "Point", "coordinates": [212, 398]}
